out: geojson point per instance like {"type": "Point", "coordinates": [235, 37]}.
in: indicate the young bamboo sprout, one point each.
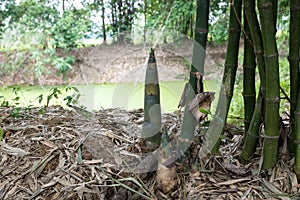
{"type": "Point", "coordinates": [151, 130]}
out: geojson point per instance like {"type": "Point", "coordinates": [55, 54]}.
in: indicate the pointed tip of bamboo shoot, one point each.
{"type": "Point", "coordinates": [151, 56]}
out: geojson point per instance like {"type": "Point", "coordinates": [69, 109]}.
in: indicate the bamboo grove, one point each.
{"type": "Point", "coordinates": [262, 120]}
{"type": "Point", "coordinates": [256, 22]}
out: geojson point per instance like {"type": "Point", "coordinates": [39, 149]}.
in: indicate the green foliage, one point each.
{"type": "Point", "coordinates": [55, 93]}
{"type": "Point", "coordinates": [63, 65]}
{"type": "Point", "coordinates": [204, 111]}
{"type": "Point", "coordinates": [16, 110]}
{"type": "Point", "coordinates": [175, 16]}
{"type": "Point", "coordinates": [14, 103]}
{"type": "Point", "coordinates": [284, 83]}
{"type": "Point", "coordinates": [68, 31]}
{"type": "Point", "coordinates": [219, 20]}
{"type": "Point", "coordinates": [36, 60]}
{"type": "Point", "coordinates": [33, 32]}
{"type": "Point", "coordinates": [44, 18]}
{"type": "Point", "coordinates": [218, 32]}
{"type": "Point", "coordinates": [74, 97]}
{"type": "Point", "coordinates": [236, 110]}
{"type": "Point", "coordinates": [1, 134]}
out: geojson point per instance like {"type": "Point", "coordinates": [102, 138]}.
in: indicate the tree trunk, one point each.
{"type": "Point", "coordinates": [120, 23]}
{"type": "Point", "coordinates": [114, 18]}
{"type": "Point", "coordinates": [63, 6]}
{"type": "Point", "coordinates": [103, 21]}
{"type": "Point", "coordinates": [145, 19]}
{"type": "Point", "coordinates": [270, 148]}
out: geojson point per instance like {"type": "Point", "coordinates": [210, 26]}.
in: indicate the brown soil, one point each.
{"type": "Point", "coordinates": [122, 63]}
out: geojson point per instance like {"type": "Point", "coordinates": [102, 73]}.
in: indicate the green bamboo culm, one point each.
{"type": "Point", "coordinates": [249, 93]}
{"type": "Point", "coordinates": [294, 65]}
{"type": "Point", "coordinates": [297, 139]}
{"type": "Point", "coordinates": [232, 51]}
{"type": "Point", "coordinates": [195, 84]}
{"type": "Point", "coordinates": [218, 122]}
{"type": "Point", "coordinates": [252, 135]}
{"type": "Point", "coordinates": [151, 129]}
{"type": "Point", "coordinates": [294, 82]}
{"type": "Point", "coordinates": [249, 8]}
{"type": "Point", "coordinates": [270, 148]}
{"type": "Point", "coordinates": [200, 39]}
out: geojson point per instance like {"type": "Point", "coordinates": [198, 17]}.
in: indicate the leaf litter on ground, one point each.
{"type": "Point", "coordinates": [39, 159]}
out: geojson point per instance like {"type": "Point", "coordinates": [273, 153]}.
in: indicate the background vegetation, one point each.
{"type": "Point", "coordinates": [34, 32]}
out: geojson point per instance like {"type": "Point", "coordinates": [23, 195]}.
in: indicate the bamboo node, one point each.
{"type": "Point", "coordinates": [296, 141]}
{"type": "Point", "coordinates": [198, 76]}
{"type": "Point", "coordinates": [271, 137]}
{"type": "Point", "coordinates": [247, 121]}
{"type": "Point", "coordinates": [232, 30]}
{"type": "Point", "coordinates": [185, 140]}
{"type": "Point", "coordinates": [259, 51]}
{"type": "Point", "coordinates": [249, 95]}
{"type": "Point", "coordinates": [293, 101]}
{"type": "Point", "coordinates": [274, 101]}
{"type": "Point", "coordinates": [295, 8]}
{"type": "Point", "coordinates": [200, 30]}
{"type": "Point", "coordinates": [249, 66]}
{"type": "Point", "coordinates": [230, 65]}
{"type": "Point", "coordinates": [293, 58]}
{"type": "Point", "coordinates": [266, 5]}
{"type": "Point", "coordinates": [271, 55]}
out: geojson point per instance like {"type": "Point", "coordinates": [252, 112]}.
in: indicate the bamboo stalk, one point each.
{"type": "Point", "coordinates": [199, 46]}
{"type": "Point", "coordinates": [195, 84]}
{"type": "Point", "coordinates": [249, 7]}
{"type": "Point", "coordinates": [294, 82]}
{"type": "Point", "coordinates": [251, 138]}
{"type": "Point", "coordinates": [270, 148]}
{"type": "Point", "coordinates": [226, 92]}
{"type": "Point", "coordinates": [151, 130]}
{"type": "Point", "coordinates": [252, 135]}
{"type": "Point", "coordinates": [231, 60]}
{"type": "Point", "coordinates": [249, 93]}
{"type": "Point", "coordinates": [297, 140]}
{"type": "Point", "coordinates": [294, 64]}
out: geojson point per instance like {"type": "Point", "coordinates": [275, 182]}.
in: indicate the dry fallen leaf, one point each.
{"type": "Point", "coordinates": [239, 170]}
{"type": "Point", "coordinates": [202, 101]}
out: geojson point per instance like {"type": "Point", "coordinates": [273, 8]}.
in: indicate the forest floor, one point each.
{"type": "Point", "coordinates": [40, 159]}
{"type": "Point", "coordinates": [53, 153]}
